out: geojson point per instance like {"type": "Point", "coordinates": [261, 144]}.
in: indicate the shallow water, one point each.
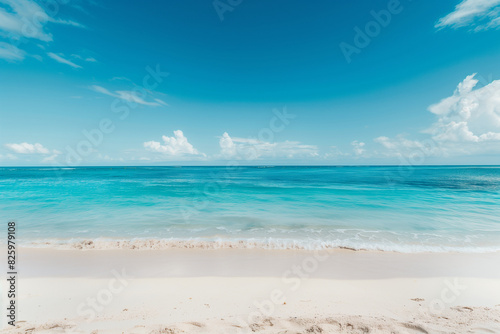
{"type": "Point", "coordinates": [404, 209]}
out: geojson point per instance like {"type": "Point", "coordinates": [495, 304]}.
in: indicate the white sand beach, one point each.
{"type": "Point", "coordinates": [241, 167]}
{"type": "Point", "coordinates": [251, 290]}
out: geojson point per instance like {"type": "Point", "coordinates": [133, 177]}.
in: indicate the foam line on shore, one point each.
{"type": "Point", "coordinates": [270, 243]}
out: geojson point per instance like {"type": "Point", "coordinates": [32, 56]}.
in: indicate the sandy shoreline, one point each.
{"type": "Point", "coordinates": [246, 291]}
{"type": "Point", "coordinates": [328, 263]}
{"type": "Point", "coordinates": [304, 244]}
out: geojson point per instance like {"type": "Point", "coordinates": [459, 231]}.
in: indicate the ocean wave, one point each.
{"type": "Point", "coordinates": [264, 244]}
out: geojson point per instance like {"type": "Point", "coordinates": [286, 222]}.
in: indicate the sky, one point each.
{"type": "Point", "coordinates": [375, 82]}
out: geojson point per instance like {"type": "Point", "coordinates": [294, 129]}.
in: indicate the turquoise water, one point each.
{"type": "Point", "coordinates": [388, 208]}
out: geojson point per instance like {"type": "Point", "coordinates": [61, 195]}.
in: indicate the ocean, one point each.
{"type": "Point", "coordinates": [388, 208]}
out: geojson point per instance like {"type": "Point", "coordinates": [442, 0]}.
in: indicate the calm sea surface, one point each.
{"type": "Point", "coordinates": [389, 208]}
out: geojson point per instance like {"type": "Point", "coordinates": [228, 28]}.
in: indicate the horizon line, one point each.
{"type": "Point", "coordinates": [235, 166]}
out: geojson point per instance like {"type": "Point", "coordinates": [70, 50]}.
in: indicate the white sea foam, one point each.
{"type": "Point", "coordinates": [264, 244]}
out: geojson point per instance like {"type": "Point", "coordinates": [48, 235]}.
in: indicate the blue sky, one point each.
{"type": "Point", "coordinates": [249, 82]}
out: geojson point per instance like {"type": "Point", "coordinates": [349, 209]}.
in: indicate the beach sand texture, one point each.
{"type": "Point", "coordinates": [256, 291]}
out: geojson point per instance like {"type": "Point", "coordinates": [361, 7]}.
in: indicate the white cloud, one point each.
{"type": "Point", "coordinates": [88, 59]}
{"type": "Point", "coordinates": [62, 60]}
{"type": "Point", "coordinates": [403, 147]}
{"type": "Point", "coordinates": [482, 14]}
{"type": "Point", "coordinates": [50, 158]}
{"type": "Point", "coordinates": [67, 22]}
{"type": "Point", "coordinates": [335, 152]}
{"type": "Point", "coordinates": [127, 95]}
{"type": "Point", "coordinates": [161, 102]}
{"type": "Point", "coordinates": [29, 151]}
{"type": "Point", "coordinates": [131, 96]}
{"type": "Point", "coordinates": [469, 115]}
{"type": "Point", "coordinates": [253, 149]}
{"type": "Point", "coordinates": [468, 122]}
{"type": "Point", "coordinates": [25, 148]}
{"type": "Point", "coordinates": [177, 146]}
{"type": "Point", "coordinates": [11, 52]}
{"type": "Point", "coordinates": [102, 90]}
{"type": "Point", "coordinates": [358, 147]}
{"type": "Point", "coordinates": [26, 18]}
{"type": "Point", "coordinates": [227, 145]}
